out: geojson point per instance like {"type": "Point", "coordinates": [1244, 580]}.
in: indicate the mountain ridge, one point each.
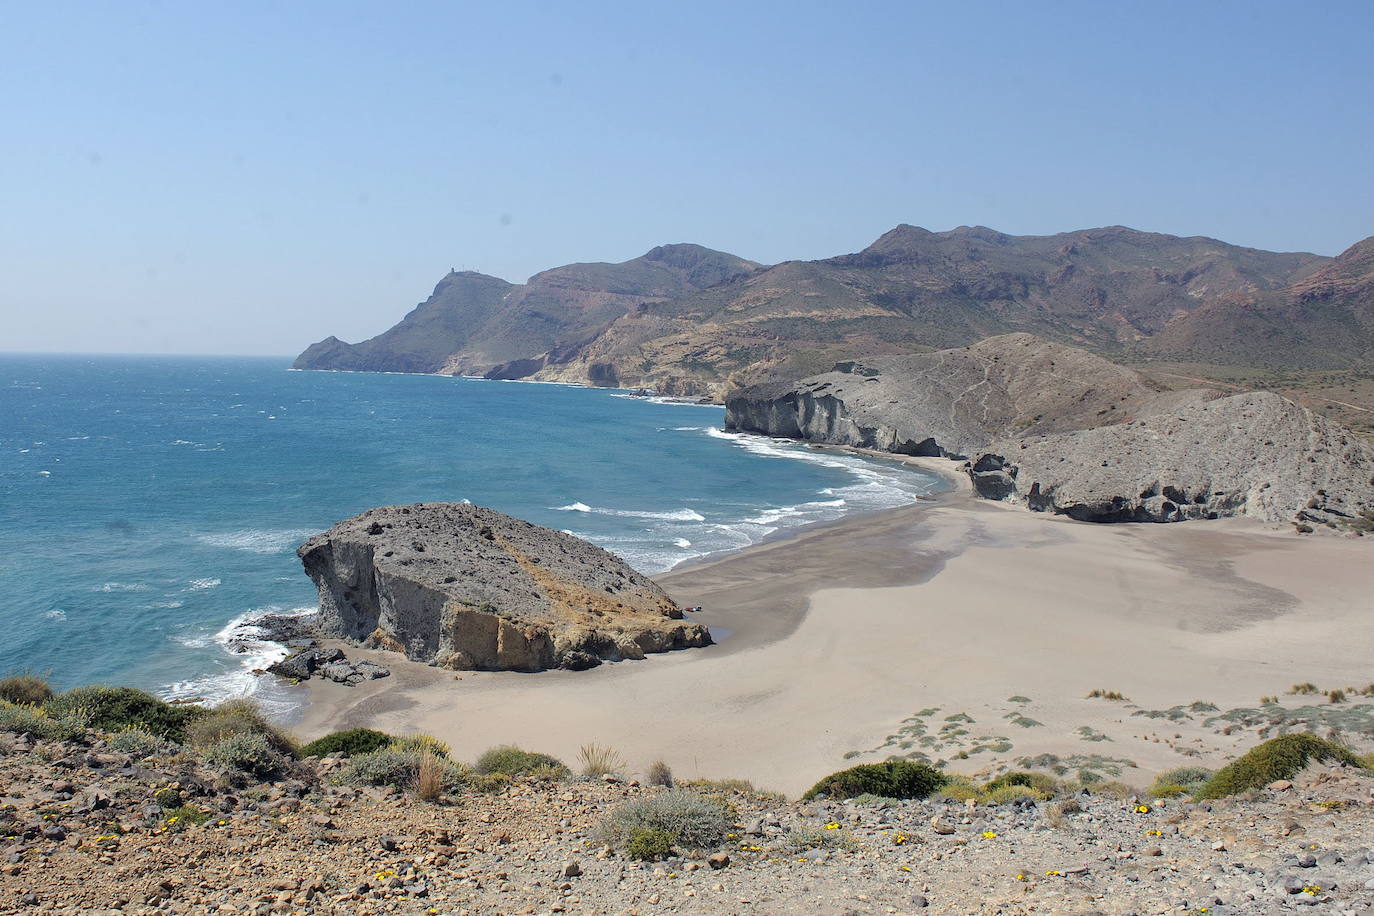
{"type": "Point", "coordinates": [687, 320]}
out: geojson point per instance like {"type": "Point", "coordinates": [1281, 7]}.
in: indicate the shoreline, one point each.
{"type": "Point", "coordinates": [962, 629]}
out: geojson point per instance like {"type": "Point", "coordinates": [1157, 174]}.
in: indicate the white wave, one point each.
{"type": "Point", "coordinates": [45, 473]}
{"type": "Point", "coordinates": [56, 614]}
{"type": "Point", "coordinates": [185, 442]}
{"type": "Point", "coordinates": [258, 540]}
{"type": "Point", "coordinates": [676, 515]}
{"type": "Point", "coordinates": [682, 542]}
{"type": "Point", "coordinates": [202, 584]}
{"type": "Point", "coordinates": [164, 605]}
{"type": "Point", "coordinates": [244, 639]}
{"type": "Point", "coordinates": [122, 587]}
{"type": "Point", "coordinates": [689, 429]}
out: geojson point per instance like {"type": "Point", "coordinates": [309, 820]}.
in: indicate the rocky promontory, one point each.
{"type": "Point", "coordinates": [1059, 429]}
{"type": "Point", "coordinates": [468, 588]}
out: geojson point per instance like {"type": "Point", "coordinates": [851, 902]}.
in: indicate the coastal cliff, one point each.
{"type": "Point", "coordinates": [463, 587]}
{"type": "Point", "coordinates": [1058, 429]}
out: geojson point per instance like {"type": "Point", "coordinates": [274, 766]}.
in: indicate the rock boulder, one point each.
{"type": "Point", "coordinates": [464, 587]}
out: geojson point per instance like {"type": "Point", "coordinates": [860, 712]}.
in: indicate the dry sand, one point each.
{"type": "Point", "coordinates": [911, 631]}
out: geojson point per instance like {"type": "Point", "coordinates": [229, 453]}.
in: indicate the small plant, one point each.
{"type": "Point", "coordinates": [1304, 689]}
{"type": "Point", "coordinates": [690, 819]}
{"type": "Point", "coordinates": [1335, 696]}
{"type": "Point", "coordinates": [396, 767]}
{"type": "Point", "coordinates": [1278, 758]}
{"type": "Point", "coordinates": [1189, 779]}
{"type": "Point", "coordinates": [891, 778]}
{"type": "Point", "coordinates": [831, 835]}
{"type": "Point", "coordinates": [184, 816]}
{"type": "Point", "coordinates": [600, 761]}
{"type": "Point", "coordinates": [141, 744]}
{"type": "Point", "coordinates": [25, 690]}
{"type": "Point", "coordinates": [350, 742]}
{"type": "Point", "coordinates": [36, 722]}
{"type": "Point", "coordinates": [1267, 701]}
{"type": "Point", "coordinates": [429, 777]}
{"type": "Point", "coordinates": [1107, 695]}
{"type": "Point", "coordinates": [650, 844]}
{"type": "Point", "coordinates": [247, 754]}
{"type": "Point", "coordinates": [659, 774]}
{"type": "Point", "coordinates": [1003, 795]}
{"type": "Point", "coordinates": [512, 761]}
{"type": "Point", "coordinates": [420, 743]}
{"type": "Point", "coordinates": [487, 783]}
{"type": "Point", "coordinates": [114, 709]}
{"type": "Point", "coordinates": [232, 719]}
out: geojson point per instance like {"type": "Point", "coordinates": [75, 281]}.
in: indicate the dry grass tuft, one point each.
{"type": "Point", "coordinates": [429, 779]}
{"type": "Point", "coordinates": [599, 760]}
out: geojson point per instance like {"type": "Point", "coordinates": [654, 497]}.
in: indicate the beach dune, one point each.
{"type": "Point", "coordinates": [961, 630]}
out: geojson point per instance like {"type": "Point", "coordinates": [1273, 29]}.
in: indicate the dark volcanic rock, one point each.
{"type": "Point", "coordinates": [465, 587]}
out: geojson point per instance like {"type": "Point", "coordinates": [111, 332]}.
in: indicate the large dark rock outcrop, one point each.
{"type": "Point", "coordinates": [465, 587]}
{"type": "Point", "coordinates": [1061, 430]}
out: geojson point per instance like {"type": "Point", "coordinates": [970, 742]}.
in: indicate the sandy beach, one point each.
{"type": "Point", "coordinates": [960, 630]}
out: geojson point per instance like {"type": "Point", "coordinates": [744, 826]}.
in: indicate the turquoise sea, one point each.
{"type": "Point", "coordinates": [150, 506]}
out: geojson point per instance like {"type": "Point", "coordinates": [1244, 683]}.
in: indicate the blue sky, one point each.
{"type": "Point", "coordinates": [251, 177]}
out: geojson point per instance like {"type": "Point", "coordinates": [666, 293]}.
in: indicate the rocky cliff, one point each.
{"type": "Point", "coordinates": [1061, 430]}
{"type": "Point", "coordinates": [464, 587]}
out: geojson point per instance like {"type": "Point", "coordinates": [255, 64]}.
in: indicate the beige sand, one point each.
{"type": "Point", "coordinates": [838, 636]}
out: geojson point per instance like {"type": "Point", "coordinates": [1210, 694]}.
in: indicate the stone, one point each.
{"type": "Point", "coordinates": [570, 869]}
{"type": "Point", "coordinates": [920, 902]}
{"type": "Point", "coordinates": [1280, 785]}
{"type": "Point", "coordinates": [463, 587]}
{"type": "Point", "coordinates": [718, 861]}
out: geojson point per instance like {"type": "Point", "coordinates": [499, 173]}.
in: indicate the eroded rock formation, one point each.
{"type": "Point", "coordinates": [464, 587]}
{"type": "Point", "coordinates": [1061, 430]}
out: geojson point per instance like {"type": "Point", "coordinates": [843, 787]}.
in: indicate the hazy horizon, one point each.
{"type": "Point", "coordinates": [247, 181]}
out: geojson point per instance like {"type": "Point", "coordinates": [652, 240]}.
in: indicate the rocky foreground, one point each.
{"type": "Point", "coordinates": [1058, 429]}
{"type": "Point", "coordinates": [90, 829]}
{"type": "Point", "coordinates": [463, 587]}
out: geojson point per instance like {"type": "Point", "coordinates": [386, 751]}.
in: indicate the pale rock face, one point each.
{"type": "Point", "coordinates": [465, 587]}
{"type": "Point", "coordinates": [1058, 429]}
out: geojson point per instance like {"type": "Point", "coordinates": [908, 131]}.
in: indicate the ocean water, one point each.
{"type": "Point", "coordinates": [150, 507]}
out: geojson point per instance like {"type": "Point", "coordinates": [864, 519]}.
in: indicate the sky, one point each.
{"type": "Point", "coordinates": [247, 178]}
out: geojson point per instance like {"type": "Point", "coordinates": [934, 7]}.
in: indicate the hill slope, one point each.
{"type": "Point", "coordinates": [1059, 429]}
{"type": "Point", "coordinates": [687, 320]}
{"type": "Point", "coordinates": [473, 323]}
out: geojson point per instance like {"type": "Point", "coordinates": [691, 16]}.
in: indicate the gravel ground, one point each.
{"type": "Point", "coordinates": [80, 832]}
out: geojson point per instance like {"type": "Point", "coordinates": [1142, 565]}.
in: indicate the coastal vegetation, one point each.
{"type": "Point", "coordinates": [1276, 759]}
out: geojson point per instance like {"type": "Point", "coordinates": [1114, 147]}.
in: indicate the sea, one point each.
{"type": "Point", "coordinates": [150, 507]}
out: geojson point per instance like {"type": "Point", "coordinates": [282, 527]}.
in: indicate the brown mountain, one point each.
{"type": "Point", "coordinates": [473, 322]}
{"type": "Point", "coordinates": [1323, 319]}
{"type": "Point", "coordinates": [687, 320]}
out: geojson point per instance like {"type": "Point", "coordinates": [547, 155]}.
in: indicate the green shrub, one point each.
{"type": "Point", "coordinates": [1191, 779]}
{"type": "Point", "coordinates": [1006, 794]}
{"type": "Point", "coordinates": [1168, 790]}
{"type": "Point", "coordinates": [398, 767]}
{"type": "Point", "coordinates": [38, 723]}
{"type": "Point", "coordinates": [350, 743]}
{"type": "Point", "coordinates": [232, 719]}
{"type": "Point", "coordinates": [1043, 784]}
{"type": "Point", "coordinates": [247, 754]}
{"type": "Point", "coordinates": [512, 761]}
{"type": "Point", "coordinates": [809, 836]}
{"type": "Point", "coordinates": [487, 783]}
{"type": "Point", "coordinates": [185, 816]}
{"type": "Point", "coordinates": [114, 709]}
{"type": "Point", "coordinates": [891, 778]}
{"type": "Point", "coordinates": [141, 744]}
{"type": "Point", "coordinates": [25, 690]}
{"type": "Point", "coordinates": [692, 820]}
{"type": "Point", "coordinates": [649, 844]}
{"type": "Point", "coordinates": [1278, 758]}
{"type": "Point", "coordinates": [421, 743]}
